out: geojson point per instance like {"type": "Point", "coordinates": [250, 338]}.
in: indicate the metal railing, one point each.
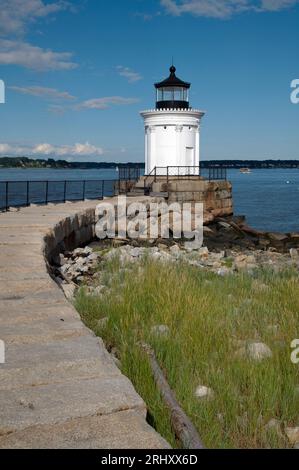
{"type": "Point", "coordinates": [185, 172]}
{"type": "Point", "coordinates": [129, 172]}
{"type": "Point", "coordinates": [24, 193]}
{"type": "Point", "coordinates": [217, 173]}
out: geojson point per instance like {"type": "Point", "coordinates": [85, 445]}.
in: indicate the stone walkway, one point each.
{"type": "Point", "coordinates": [59, 388]}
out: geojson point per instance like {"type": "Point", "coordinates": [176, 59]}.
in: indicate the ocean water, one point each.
{"type": "Point", "coordinates": [268, 198]}
{"type": "Point", "coordinates": [43, 174]}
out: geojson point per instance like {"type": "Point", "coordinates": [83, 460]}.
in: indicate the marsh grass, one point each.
{"type": "Point", "coordinates": [209, 318]}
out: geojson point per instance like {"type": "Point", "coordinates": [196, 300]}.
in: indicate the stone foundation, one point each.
{"type": "Point", "coordinates": [215, 195]}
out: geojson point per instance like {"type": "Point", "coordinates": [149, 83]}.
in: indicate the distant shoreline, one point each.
{"type": "Point", "coordinates": [30, 163]}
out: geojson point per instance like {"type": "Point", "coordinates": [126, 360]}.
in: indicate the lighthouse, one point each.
{"type": "Point", "coordinates": [172, 130]}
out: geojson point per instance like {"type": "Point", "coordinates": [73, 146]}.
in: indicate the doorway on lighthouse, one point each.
{"type": "Point", "coordinates": [189, 156]}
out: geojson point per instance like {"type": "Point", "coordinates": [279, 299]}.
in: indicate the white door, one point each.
{"type": "Point", "coordinates": [189, 158]}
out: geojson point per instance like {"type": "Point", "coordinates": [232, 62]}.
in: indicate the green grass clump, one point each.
{"type": "Point", "coordinates": [209, 317]}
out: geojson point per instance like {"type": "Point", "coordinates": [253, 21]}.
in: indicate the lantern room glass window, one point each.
{"type": "Point", "coordinates": [172, 94]}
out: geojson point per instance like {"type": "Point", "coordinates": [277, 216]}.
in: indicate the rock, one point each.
{"type": "Point", "coordinates": [78, 252]}
{"type": "Point", "coordinates": [225, 225]}
{"type": "Point", "coordinates": [69, 290]}
{"type": "Point", "coordinates": [195, 263]}
{"type": "Point", "coordinates": [204, 392]}
{"type": "Point", "coordinates": [264, 243]}
{"type": "Point", "coordinates": [84, 269]}
{"type": "Point", "coordinates": [258, 351]}
{"type": "Point", "coordinates": [292, 434]}
{"type": "Point", "coordinates": [64, 268]}
{"type": "Point", "coordinates": [247, 302]}
{"type": "Point", "coordinates": [243, 420]}
{"type": "Point", "coordinates": [274, 424]}
{"type": "Point", "coordinates": [160, 330]}
{"type": "Point", "coordinates": [224, 271]}
{"type": "Point", "coordinates": [280, 344]}
{"type": "Point", "coordinates": [277, 237]}
{"type": "Point", "coordinates": [274, 329]}
{"type": "Point", "coordinates": [239, 343]}
{"type": "Point", "coordinates": [102, 323]}
{"type": "Point", "coordinates": [216, 265]}
{"type": "Point", "coordinates": [93, 257]}
{"type": "Point", "coordinates": [207, 231]}
{"type": "Point", "coordinates": [294, 254]}
{"type": "Point", "coordinates": [114, 355]}
{"type": "Point", "coordinates": [162, 246]}
{"type": "Point", "coordinates": [244, 262]}
{"type": "Point", "coordinates": [175, 250]}
{"type": "Point", "coordinates": [60, 260]}
{"type": "Point", "coordinates": [296, 445]}
{"type": "Point", "coordinates": [208, 217]}
{"type": "Point", "coordinates": [136, 252]}
{"type": "Point", "coordinates": [156, 256]}
{"type": "Point", "coordinates": [87, 251]}
{"type": "Point", "coordinates": [203, 252]}
{"type": "Point", "coordinates": [218, 256]}
{"type": "Point", "coordinates": [251, 259]}
{"type": "Point", "coordinates": [294, 236]}
{"type": "Point", "coordinates": [119, 242]}
{"type": "Point", "coordinates": [59, 280]}
{"type": "Point", "coordinates": [97, 290]}
{"type": "Point", "coordinates": [259, 286]}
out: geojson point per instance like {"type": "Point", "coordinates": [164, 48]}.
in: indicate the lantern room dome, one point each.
{"type": "Point", "coordinates": [172, 80]}
{"type": "Point", "coordinates": [172, 93]}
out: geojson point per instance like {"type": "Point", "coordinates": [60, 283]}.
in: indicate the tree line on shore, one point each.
{"type": "Point", "coordinates": [26, 162]}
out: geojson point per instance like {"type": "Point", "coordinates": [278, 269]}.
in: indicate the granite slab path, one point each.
{"type": "Point", "coordinates": [59, 387]}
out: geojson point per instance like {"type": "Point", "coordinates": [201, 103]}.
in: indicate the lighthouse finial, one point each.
{"type": "Point", "coordinates": [172, 68]}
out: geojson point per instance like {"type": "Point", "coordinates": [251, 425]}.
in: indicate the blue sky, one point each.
{"type": "Point", "coordinates": [77, 73]}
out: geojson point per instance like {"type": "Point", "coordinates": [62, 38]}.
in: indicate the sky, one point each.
{"type": "Point", "coordinates": [77, 74]}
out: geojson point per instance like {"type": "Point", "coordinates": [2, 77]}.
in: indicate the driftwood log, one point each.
{"type": "Point", "coordinates": [183, 427]}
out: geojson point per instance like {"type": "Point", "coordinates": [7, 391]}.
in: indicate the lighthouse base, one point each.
{"type": "Point", "coordinates": [216, 195]}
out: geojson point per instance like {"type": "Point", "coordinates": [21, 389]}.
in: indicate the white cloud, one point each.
{"type": "Point", "coordinates": [223, 8]}
{"type": "Point", "coordinates": [43, 92]}
{"type": "Point", "coordinates": [33, 57]}
{"type": "Point", "coordinates": [106, 102]}
{"type": "Point", "coordinates": [275, 5]}
{"type": "Point", "coordinates": [15, 18]}
{"type": "Point", "coordinates": [5, 149]}
{"type": "Point", "coordinates": [57, 109]}
{"type": "Point", "coordinates": [129, 74]}
{"type": "Point", "coordinates": [49, 150]}
{"type": "Point", "coordinates": [16, 15]}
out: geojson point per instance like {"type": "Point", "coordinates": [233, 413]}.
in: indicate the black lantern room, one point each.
{"type": "Point", "coordinates": [172, 93]}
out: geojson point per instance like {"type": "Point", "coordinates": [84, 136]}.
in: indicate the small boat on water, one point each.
{"type": "Point", "coordinates": [245, 170]}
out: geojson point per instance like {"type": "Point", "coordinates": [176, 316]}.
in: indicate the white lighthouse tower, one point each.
{"type": "Point", "coordinates": [172, 130]}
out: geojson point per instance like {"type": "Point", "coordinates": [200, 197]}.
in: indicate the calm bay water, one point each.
{"type": "Point", "coordinates": [41, 174]}
{"type": "Point", "coordinates": [268, 198]}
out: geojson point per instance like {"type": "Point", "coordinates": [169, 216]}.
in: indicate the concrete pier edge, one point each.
{"type": "Point", "coordinates": [59, 387]}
